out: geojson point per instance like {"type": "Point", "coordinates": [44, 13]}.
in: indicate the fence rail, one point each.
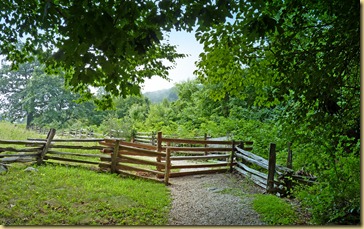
{"type": "Point", "coordinates": [127, 157]}
{"type": "Point", "coordinates": [169, 157]}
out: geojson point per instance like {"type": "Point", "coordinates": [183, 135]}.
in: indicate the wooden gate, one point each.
{"type": "Point", "coordinates": [133, 159]}
{"type": "Point", "coordinates": [193, 156]}
{"type": "Point", "coordinates": [171, 157]}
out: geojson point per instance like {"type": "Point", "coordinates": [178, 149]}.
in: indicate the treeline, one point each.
{"type": "Point", "coordinates": [326, 151]}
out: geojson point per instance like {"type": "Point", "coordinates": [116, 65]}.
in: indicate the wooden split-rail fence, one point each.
{"type": "Point", "coordinates": [168, 158]}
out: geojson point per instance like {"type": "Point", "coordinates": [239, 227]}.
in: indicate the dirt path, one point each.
{"type": "Point", "coordinates": [214, 199]}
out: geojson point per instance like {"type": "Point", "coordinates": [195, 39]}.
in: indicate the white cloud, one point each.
{"type": "Point", "coordinates": [186, 43]}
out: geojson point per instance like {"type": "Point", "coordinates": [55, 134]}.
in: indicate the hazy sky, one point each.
{"type": "Point", "coordinates": [187, 44]}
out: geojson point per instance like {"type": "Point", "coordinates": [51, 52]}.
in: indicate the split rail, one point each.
{"type": "Point", "coordinates": [170, 157]}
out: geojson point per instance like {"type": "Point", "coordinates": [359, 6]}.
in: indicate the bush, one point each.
{"type": "Point", "coordinates": [336, 198]}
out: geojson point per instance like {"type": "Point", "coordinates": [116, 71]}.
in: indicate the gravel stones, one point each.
{"type": "Point", "coordinates": [201, 200]}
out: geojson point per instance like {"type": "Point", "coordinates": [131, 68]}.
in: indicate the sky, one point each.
{"type": "Point", "coordinates": [187, 44]}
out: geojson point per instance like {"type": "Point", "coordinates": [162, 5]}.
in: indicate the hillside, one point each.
{"type": "Point", "coordinates": [158, 96]}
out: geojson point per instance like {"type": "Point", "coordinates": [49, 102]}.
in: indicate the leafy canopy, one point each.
{"type": "Point", "coordinates": [110, 44]}
{"type": "Point", "coordinates": [306, 51]}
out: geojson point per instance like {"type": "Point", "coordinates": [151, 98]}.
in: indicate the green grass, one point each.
{"type": "Point", "coordinates": [274, 210]}
{"type": "Point", "coordinates": [16, 132]}
{"type": "Point", "coordinates": [69, 195]}
{"type": "Point", "coordinates": [61, 195]}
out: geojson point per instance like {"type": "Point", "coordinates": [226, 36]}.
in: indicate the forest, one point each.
{"type": "Point", "coordinates": [278, 71]}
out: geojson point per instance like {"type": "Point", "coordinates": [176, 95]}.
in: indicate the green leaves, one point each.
{"type": "Point", "coordinates": [30, 94]}
{"type": "Point", "coordinates": [127, 34]}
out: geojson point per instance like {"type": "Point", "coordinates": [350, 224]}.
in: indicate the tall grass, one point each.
{"type": "Point", "coordinates": [9, 131]}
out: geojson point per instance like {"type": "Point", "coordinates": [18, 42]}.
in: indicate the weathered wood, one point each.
{"type": "Point", "coordinates": [145, 152]}
{"type": "Point", "coordinates": [221, 164]}
{"type": "Point", "coordinates": [142, 133]}
{"type": "Point", "coordinates": [124, 143]}
{"type": "Point", "coordinates": [232, 157]}
{"type": "Point", "coordinates": [18, 142]}
{"type": "Point", "coordinates": [189, 153]}
{"type": "Point", "coordinates": [167, 166]}
{"type": "Point", "coordinates": [159, 149]}
{"type": "Point", "coordinates": [198, 172]}
{"type": "Point", "coordinates": [19, 159]}
{"type": "Point", "coordinates": [132, 153]}
{"type": "Point", "coordinates": [76, 147]}
{"type": "Point", "coordinates": [257, 180]}
{"type": "Point", "coordinates": [46, 157]}
{"type": "Point", "coordinates": [142, 140]}
{"type": "Point", "coordinates": [141, 161]}
{"type": "Point", "coordinates": [253, 171]}
{"type": "Point", "coordinates": [71, 165]}
{"type": "Point", "coordinates": [20, 155]}
{"type": "Point", "coordinates": [289, 157]}
{"type": "Point", "coordinates": [261, 163]}
{"type": "Point", "coordinates": [271, 168]}
{"type": "Point", "coordinates": [211, 156]}
{"type": "Point", "coordinates": [70, 140]}
{"type": "Point", "coordinates": [194, 141]}
{"type": "Point", "coordinates": [50, 137]}
{"type": "Point", "coordinates": [135, 151]}
{"type": "Point", "coordinates": [78, 154]}
{"type": "Point", "coordinates": [199, 149]}
{"type": "Point", "coordinates": [143, 137]}
{"type": "Point", "coordinates": [114, 156]}
{"type": "Point", "coordinates": [159, 141]}
{"type": "Point", "coordinates": [205, 138]}
{"type": "Point", "coordinates": [153, 139]}
{"type": "Point", "coordinates": [11, 149]}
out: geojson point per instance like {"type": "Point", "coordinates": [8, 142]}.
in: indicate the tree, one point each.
{"type": "Point", "coordinates": [307, 51]}
{"type": "Point", "coordinates": [304, 57]}
{"type": "Point", "coordinates": [123, 105]}
{"type": "Point", "coordinates": [13, 88]}
{"type": "Point", "coordinates": [39, 98]}
{"type": "Point", "coordinates": [111, 44]}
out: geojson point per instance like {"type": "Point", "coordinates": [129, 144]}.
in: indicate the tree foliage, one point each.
{"type": "Point", "coordinates": [280, 71]}
{"type": "Point", "coordinates": [29, 93]}
{"type": "Point", "coordinates": [111, 44]}
{"type": "Point", "coordinates": [308, 51]}
{"type": "Point", "coordinates": [302, 59]}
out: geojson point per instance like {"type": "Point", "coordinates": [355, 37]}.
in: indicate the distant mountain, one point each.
{"type": "Point", "coordinates": [158, 96]}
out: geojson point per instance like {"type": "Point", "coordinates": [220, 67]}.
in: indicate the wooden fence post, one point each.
{"type": "Point", "coordinates": [133, 134]}
{"type": "Point", "coordinates": [114, 156]}
{"type": "Point", "coordinates": [45, 148]}
{"type": "Point", "coordinates": [153, 139]}
{"type": "Point", "coordinates": [167, 166]}
{"type": "Point", "coordinates": [289, 158]}
{"type": "Point", "coordinates": [205, 138]}
{"type": "Point", "coordinates": [271, 168]}
{"type": "Point", "coordinates": [159, 149]}
{"type": "Point", "coordinates": [232, 157]}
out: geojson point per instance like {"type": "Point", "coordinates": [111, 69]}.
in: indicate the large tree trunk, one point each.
{"type": "Point", "coordinates": [30, 117]}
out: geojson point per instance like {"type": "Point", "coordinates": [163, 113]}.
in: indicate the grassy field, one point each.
{"type": "Point", "coordinates": [68, 195]}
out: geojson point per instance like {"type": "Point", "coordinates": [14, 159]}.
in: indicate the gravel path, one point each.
{"type": "Point", "coordinates": [209, 200]}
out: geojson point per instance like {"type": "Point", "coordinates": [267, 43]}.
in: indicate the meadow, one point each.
{"type": "Point", "coordinates": [71, 195]}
